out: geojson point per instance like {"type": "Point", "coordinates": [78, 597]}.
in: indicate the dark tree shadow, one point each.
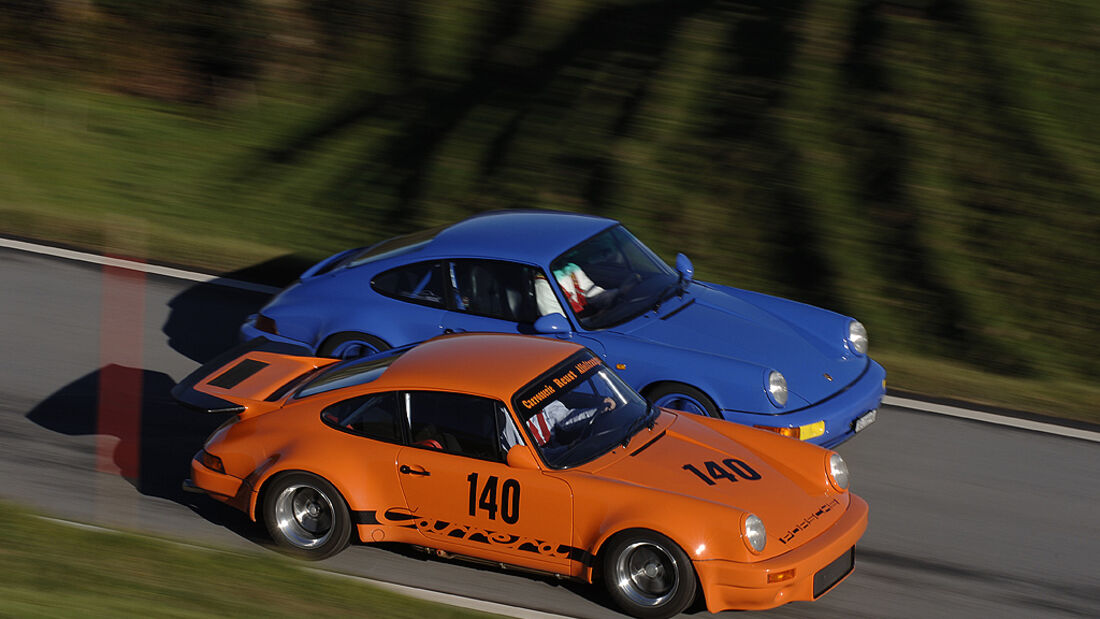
{"type": "Point", "coordinates": [204, 319]}
{"type": "Point", "coordinates": [157, 438]}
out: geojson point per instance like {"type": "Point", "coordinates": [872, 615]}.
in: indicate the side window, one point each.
{"type": "Point", "coordinates": [420, 283]}
{"type": "Point", "coordinates": [494, 288]}
{"type": "Point", "coordinates": [461, 424]}
{"type": "Point", "coordinates": [373, 416]}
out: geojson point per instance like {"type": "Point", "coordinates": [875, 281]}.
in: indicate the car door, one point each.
{"type": "Point", "coordinates": [493, 296]}
{"type": "Point", "coordinates": [466, 499]}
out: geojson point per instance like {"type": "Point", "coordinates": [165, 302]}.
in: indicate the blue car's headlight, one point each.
{"type": "Point", "coordinates": [777, 388]}
{"type": "Point", "coordinates": [857, 337]}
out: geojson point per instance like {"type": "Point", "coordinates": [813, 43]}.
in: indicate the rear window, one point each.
{"type": "Point", "coordinates": [395, 246]}
{"type": "Point", "coordinates": [350, 373]}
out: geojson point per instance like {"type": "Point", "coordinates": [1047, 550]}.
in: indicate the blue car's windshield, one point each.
{"type": "Point", "coordinates": [579, 411]}
{"type": "Point", "coordinates": [611, 278]}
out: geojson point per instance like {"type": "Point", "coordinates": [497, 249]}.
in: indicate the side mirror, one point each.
{"type": "Point", "coordinates": [552, 324]}
{"type": "Point", "coordinates": [685, 269]}
{"type": "Point", "coordinates": [520, 457]}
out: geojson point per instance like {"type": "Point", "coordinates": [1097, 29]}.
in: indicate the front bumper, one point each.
{"type": "Point", "coordinates": [729, 585]}
{"type": "Point", "coordinates": [839, 413]}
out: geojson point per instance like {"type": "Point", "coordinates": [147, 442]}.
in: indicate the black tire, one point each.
{"type": "Point", "coordinates": [648, 575]}
{"type": "Point", "coordinates": [351, 344]}
{"type": "Point", "coordinates": [682, 397]}
{"type": "Point", "coordinates": [305, 516]}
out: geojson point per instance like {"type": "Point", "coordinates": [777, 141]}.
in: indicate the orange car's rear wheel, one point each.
{"type": "Point", "coordinates": [648, 575]}
{"type": "Point", "coordinates": [306, 516]}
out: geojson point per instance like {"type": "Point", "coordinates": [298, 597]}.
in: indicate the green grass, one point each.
{"type": "Point", "coordinates": [51, 570]}
{"type": "Point", "coordinates": [924, 167]}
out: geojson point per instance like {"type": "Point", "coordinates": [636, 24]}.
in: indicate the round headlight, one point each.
{"type": "Point", "coordinates": [754, 534]}
{"type": "Point", "coordinates": [777, 388]}
{"type": "Point", "coordinates": [838, 471]}
{"type": "Point", "coordinates": [857, 337]}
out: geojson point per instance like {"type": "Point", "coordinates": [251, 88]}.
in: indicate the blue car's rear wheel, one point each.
{"type": "Point", "coordinates": [351, 345]}
{"type": "Point", "coordinates": [681, 397]}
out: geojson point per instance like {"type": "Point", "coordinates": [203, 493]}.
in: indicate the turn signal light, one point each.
{"type": "Point", "coordinates": [790, 432]}
{"type": "Point", "coordinates": [802, 433]}
{"type": "Point", "coordinates": [781, 576]}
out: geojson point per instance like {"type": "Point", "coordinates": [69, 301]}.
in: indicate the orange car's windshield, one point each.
{"type": "Point", "coordinates": [579, 411]}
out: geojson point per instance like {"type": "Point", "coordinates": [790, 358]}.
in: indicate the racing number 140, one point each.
{"type": "Point", "coordinates": [508, 503]}
{"type": "Point", "coordinates": [737, 468]}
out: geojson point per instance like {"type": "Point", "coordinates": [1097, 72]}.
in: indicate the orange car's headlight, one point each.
{"type": "Point", "coordinates": [753, 533]}
{"type": "Point", "coordinates": [838, 472]}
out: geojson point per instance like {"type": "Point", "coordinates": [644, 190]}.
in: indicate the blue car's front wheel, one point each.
{"type": "Point", "coordinates": [351, 345]}
{"type": "Point", "coordinates": [681, 397]}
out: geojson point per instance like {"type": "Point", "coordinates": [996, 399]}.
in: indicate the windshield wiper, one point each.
{"type": "Point", "coordinates": [665, 296]}
{"type": "Point", "coordinates": [648, 420]}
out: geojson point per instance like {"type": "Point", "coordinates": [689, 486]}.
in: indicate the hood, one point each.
{"type": "Point", "coordinates": [713, 322]}
{"type": "Point", "coordinates": [794, 508]}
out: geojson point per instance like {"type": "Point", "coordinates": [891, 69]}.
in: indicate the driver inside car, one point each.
{"type": "Point", "coordinates": [583, 294]}
{"type": "Point", "coordinates": [547, 425]}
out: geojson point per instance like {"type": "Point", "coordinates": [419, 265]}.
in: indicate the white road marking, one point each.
{"type": "Point", "coordinates": [1001, 420]}
{"type": "Point", "coordinates": [939, 409]}
{"type": "Point", "coordinates": [447, 598]}
{"type": "Point", "coordinates": [134, 265]}
{"type": "Point", "coordinates": [438, 597]}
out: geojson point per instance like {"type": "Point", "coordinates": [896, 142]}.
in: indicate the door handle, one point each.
{"type": "Point", "coordinates": [449, 331]}
{"type": "Point", "coordinates": [408, 470]}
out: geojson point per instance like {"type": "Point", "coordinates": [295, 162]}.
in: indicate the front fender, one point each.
{"type": "Point", "coordinates": [733, 384]}
{"type": "Point", "coordinates": [703, 529]}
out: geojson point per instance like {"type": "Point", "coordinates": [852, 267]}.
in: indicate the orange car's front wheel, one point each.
{"type": "Point", "coordinates": [648, 575]}
{"type": "Point", "coordinates": [306, 516]}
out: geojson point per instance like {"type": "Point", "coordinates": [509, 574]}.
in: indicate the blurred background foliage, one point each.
{"type": "Point", "coordinates": [928, 166]}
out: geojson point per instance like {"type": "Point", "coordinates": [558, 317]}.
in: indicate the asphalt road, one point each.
{"type": "Point", "coordinates": [967, 519]}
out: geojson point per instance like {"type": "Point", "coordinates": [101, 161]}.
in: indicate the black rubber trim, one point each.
{"type": "Point", "coordinates": [677, 310]}
{"type": "Point", "coordinates": [653, 440]}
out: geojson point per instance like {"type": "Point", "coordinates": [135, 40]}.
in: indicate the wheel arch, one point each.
{"type": "Point", "coordinates": [595, 571]}
{"type": "Point", "coordinates": [338, 337]}
{"type": "Point", "coordinates": [255, 510]}
{"type": "Point", "coordinates": [647, 390]}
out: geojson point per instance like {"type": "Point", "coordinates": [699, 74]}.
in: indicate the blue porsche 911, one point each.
{"type": "Point", "coordinates": [689, 345]}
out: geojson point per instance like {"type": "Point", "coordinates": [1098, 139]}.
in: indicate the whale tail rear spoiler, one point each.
{"type": "Point", "coordinates": [222, 384]}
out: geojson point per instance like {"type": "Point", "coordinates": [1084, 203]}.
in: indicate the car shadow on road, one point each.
{"type": "Point", "coordinates": [204, 318]}
{"type": "Point", "coordinates": [156, 437]}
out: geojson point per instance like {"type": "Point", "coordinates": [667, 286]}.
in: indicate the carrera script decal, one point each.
{"type": "Point", "coordinates": [808, 520]}
{"type": "Point", "coordinates": [402, 517]}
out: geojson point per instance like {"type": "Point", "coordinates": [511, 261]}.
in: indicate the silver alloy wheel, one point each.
{"type": "Point", "coordinates": [646, 573]}
{"type": "Point", "coordinates": [304, 515]}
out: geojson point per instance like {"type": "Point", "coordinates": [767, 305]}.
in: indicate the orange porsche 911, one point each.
{"type": "Point", "coordinates": [527, 452]}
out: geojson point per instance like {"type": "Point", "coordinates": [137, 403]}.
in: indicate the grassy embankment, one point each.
{"type": "Point", "coordinates": [51, 570]}
{"type": "Point", "coordinates": [926, 167]}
